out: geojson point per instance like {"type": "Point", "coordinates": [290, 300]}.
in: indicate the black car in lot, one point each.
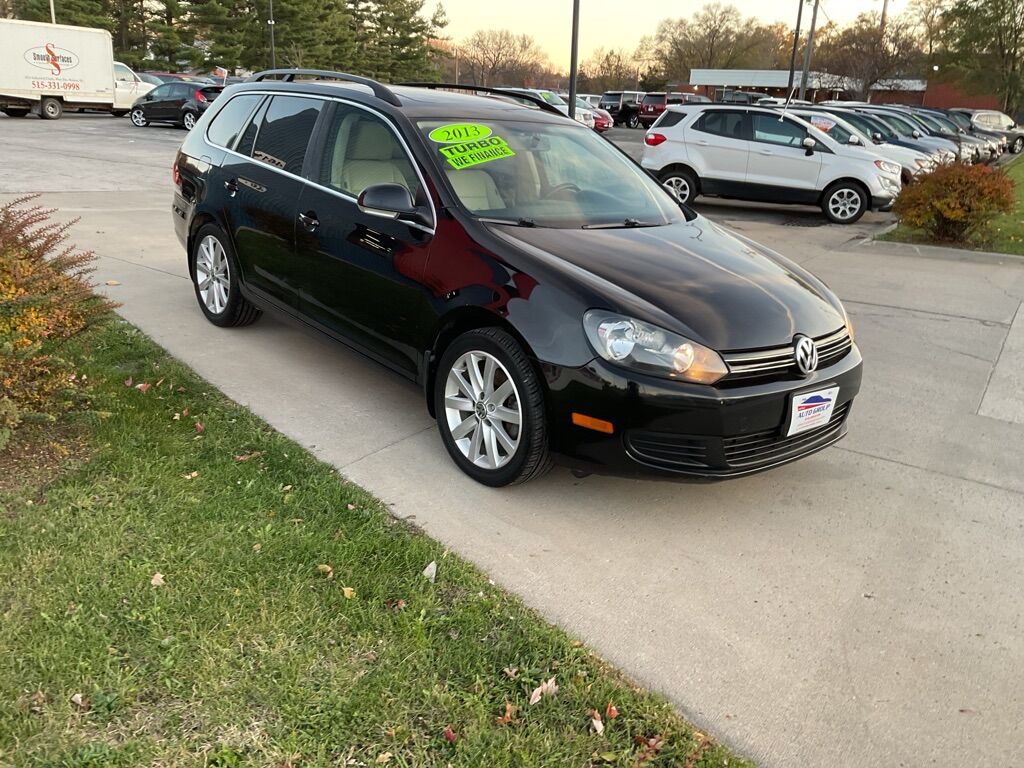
{"type": "Point", "coordinates": [623, 106]}
{"type": "Point", "coordinates": [551, 299]}
{"type": "Point", "coordinates": [175, 102]}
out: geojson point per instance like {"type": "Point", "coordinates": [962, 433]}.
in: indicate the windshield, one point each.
{"type": "Point", "coordinates": [871, 126]}
{"type": "Point", "coordinates": [552, 98]}
{"type": "Point", "coordinates": [960, 119]}
{"type": "Point", "coordinates": [545, 175]}
{"type": "Point", "coordinates": [827, 125]}
{"type": "Point", "coordinates": [899, 125]}
{"type": "Point", "coordinates": [654, 98]}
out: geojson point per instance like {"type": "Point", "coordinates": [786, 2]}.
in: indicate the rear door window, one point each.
{"type": "Point", "coordinates": [722, 123]}
{"type": "Point", "coordinates": [283, 134]}
{"type": "Point", "coordinates": [229, 122]}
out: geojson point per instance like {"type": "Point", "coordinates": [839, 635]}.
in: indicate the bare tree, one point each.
{"type": "Point", "coordinates": [927, 17]}
{"type": "Point", "coordinates": [862, 54]}
{"type": "Point", "coordinates": [608, 70]}
{"type": "Point", "coordinates": [498, 57]}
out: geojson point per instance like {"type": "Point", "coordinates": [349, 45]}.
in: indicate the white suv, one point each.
{"type": "Point", "coordinates": [758, 153]}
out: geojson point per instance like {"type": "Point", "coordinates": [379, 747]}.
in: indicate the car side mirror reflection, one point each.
{"type": "Point", "coordinates": [390, 201]}
{"type": "Point", "coordinates": [809, 145]}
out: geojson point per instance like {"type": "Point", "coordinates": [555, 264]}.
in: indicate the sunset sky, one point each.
{"type": "Point", "coordinates": [619, 23]}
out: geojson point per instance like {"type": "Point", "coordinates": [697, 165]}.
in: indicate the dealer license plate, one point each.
{"type": "Point", "coordinates": [810, 410]}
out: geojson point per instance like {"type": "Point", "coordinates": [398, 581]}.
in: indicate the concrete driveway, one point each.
{"type": "Point", "coordinates": [860, 608]}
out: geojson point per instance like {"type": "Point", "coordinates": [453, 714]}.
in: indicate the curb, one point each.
{"type": "Point", "coordinates": [940, 252]}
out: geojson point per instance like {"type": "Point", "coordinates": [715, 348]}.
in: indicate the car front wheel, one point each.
{"type": "Point", "coordinates": [681, 184]}
{"type": "Point", "coordinates": [215, 279]}
{"type": "Point", "coordinates": [189, 120]}
{"type": "Point", "coordinates": [844, 203]}
{"type": "Point", "coordinates": [489, 404]}
{"type": "Point", "coordinates": [634, 121]}
{"type": "Point", "coordinates": [138, 118]}
{"type": "Point", "coordinates": [1018, 145]}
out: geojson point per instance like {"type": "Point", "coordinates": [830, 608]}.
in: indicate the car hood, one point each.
{"type": "Point", "coordinates": [693, 277]}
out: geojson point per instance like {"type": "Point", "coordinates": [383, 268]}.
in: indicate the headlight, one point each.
{"type": "Point", "coordinates": [885, 165]}
{"type": "Point", "coordinates": [849, 325]}
{"type": "Point", "coordinates": [647, 348]}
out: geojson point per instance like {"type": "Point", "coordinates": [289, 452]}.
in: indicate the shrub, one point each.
{"type": "Point", "coordinates": [45, 298]}
{"type": "Point", "coordinates": [955, 202]}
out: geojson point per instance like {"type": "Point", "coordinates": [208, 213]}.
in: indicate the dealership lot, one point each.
{"type": "Point", "coordinates": [861, 607]}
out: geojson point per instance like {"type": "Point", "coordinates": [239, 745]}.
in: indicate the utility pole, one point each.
{"type": "Point", "coordinates": [53, 15]}
{"type": "Point", "coordinates": [885, 13]}
{"type": "Point", "coordinates": [270, 23]}
{"type": "Point", "coordinates": [456, 65]}
{"type": "Point", "coordinates": [792, 55]}
{"type": "Point", "coordinates": [573, 55]}
{"type": "Point", "coordinates": [808, 52]}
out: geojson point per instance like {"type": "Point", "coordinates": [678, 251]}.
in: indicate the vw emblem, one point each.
{"type": "Point", "coordinates": [805, 353]}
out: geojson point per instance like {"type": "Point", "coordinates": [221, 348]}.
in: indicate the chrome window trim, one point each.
{"type": "Point", "coordinates": [405, 146]}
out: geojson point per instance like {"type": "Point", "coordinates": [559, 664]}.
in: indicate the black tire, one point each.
{"type": "Point", "coordinates": [16, 111]}
{"type": "Point", "coordinates": [634, 120]}
{"type": "Point", "coordinates": [681, 183]}
{"type": "Point", "coordinates": [237, 310]}
{"type": "Point", "coordinates": [844, 202]}
{"type": "Point", "coordinates": [530, 458]}
{"type": "Point", "coordinates": [1018, 145]}
{"type": "Point", "coordinates": [50, 108]}
{"type": "Point", "coordinates": [138, 118]}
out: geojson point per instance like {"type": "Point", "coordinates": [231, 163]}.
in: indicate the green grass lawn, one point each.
{"type": "Point", "coordinates": [202, 591]}
{"type": "Point", "coordinates": [1006, 233]}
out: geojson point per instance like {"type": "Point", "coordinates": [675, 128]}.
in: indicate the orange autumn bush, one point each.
{"type": "Point", "coordinates": [45, 299]}
{"type": "Point", "coordinates": [955, 202]}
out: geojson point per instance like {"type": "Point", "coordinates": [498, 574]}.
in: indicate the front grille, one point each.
{"type": "Point", "coordinates": [724, 456]}
{"type": "Point", "coordinates": [771, 446]}
{"type": "Point", "coordinates": [780, 363]}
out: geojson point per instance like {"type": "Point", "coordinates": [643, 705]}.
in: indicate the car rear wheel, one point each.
{"type": "Point", "coordinates": [681, 184]}
{"type": "Point", "coordinates": [189, 120]}
{"type": "Point", "coordinates": [844, 202]}
{"type": "Point", "coordinates": [489, 404]}
{"type": "Point", "coordinates": [634, 121]}
{"type": "Point", "coordinates": [214, 272]}
{"type": "Point", "coordinates": [1018, 145]}
{"type": "Point", "coordinates": [50, 108]}
{"type": "Point", "coordinates": [138, 118]}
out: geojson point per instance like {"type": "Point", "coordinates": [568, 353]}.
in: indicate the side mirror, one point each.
{"type": "Point", "coordinates": [916, 134]}
{"type": "Point", "coordinates": [877, 137]}
{"type": "Point", "coordinates": [854, 139]}
{"type": "Point", "coordinates": [388, 201]}
{"type": "Point", "coordinates": [809, 145]}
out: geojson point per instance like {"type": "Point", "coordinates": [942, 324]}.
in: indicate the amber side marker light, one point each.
{"type": "Point", "coordinates": [589, 422]}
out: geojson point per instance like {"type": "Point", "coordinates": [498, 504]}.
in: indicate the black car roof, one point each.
{"type": "Point", "coordinates": [416, 102]}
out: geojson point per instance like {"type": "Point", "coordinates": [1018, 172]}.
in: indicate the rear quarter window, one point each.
{"type": "Point", "coordinates": [229, 122]}
{"type": "Point", "coordinates": [668, 119]}
{"type": "Point", "coordinates": [284, 133]}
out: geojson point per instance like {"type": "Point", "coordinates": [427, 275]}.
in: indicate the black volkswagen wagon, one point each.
{"type": "Point", "coordinates": [552, 300]}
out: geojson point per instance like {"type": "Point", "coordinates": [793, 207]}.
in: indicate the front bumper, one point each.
{"type": "Point", "coordinates": [687, 431]}
{"type": "Point", "coordinates": [883, 203]}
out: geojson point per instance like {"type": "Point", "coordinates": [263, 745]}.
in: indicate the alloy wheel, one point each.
{"type": "Point", "coordinates": [845, 203]}
{"type": "Point", "coordinates": [483, 410]}
{"type": "Point", "coordinates": [213, 275]}
{"type": "Point", "coordinates": [138, 118]}
{"type": "Point", "coordinates": [678, 187]}
{"type": "Point", "coordinates": [1018, 145]}
{"type": "Point", "coordinates": [189, 121]}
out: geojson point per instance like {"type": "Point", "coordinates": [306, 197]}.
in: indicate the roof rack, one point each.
{"type": "Point", "coordinates": [522, 97]}
{"type": "Point", "coordinates": [381, 91]}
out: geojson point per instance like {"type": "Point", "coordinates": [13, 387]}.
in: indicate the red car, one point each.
{"type": "Point", "coordinates": [602, 120]}
{"type": "Point", "coordinates": [655, 103]}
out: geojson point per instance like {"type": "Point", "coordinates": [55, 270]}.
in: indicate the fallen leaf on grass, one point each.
{"type": "Point", "coordinates": [159, 382]}
{"type": "Point", "coordinates": [511, 672]}
{"type": "Point", "coordinates": [507, 717]}
{"type": "Point", "coordinates": [610, 711]}
{"type": "Point", "coordinates": [430, 572]}
{"type": "Point", "coordinates": [547, 688]}
{"type": "Point", "coordinates": [609, 757]}
{"type": "Point", "coordinates": [157, 580]}
{"type": "Point", "coordinates": [184, 411]}
{"type": "Point", "coordinates": [350, 507]}
{"type": "Point", "coordinates": [595, 722]}
{"type": "Point", "coordinates": [35, 702]}
{"type": "Point", "coordinates": [394, 605]}
{"type": "Point", "coordinates": [176, 417]}
{"type": "Point", "coordinates": [247, 456]}
{"type": "Point", "coordinates": [326, 570]}
{"type": "Point", "coordinates": [190, 475]}
{"type": "Point", "coordinates": [128, 382]}
{"type": "Point", "coordinates": [199, 428]}
{"type": "Point", "coordinates": [449, 734]}
{"type": "Point", "coordinates": [348, 592]}
{"type": "Point", "coordinates": [257, 547]}
{"type": "Point", "coordinates": [81, 702]}
{"type": "Point", "coordinates": [382, 758]}
{"type": "Point", "coordinates": [143, 387]}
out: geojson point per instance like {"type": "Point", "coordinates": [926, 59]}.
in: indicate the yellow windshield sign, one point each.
{"type": "Point", "coordinates": [470, 153]}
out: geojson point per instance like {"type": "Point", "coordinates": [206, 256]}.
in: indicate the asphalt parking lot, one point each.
{"type": "Point", "coordinates": [864, 606]}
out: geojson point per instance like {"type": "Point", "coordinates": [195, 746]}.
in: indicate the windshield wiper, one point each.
{"type": "Point", "coordinates": [625, 224]}
{"type": "Point", "coordinates": [522, 221]}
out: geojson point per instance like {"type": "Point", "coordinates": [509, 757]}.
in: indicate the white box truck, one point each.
{"type": "Point", "coordinates": [47, 68]}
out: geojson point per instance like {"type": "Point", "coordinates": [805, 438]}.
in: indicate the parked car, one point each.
{"type": "Point", "coordinates": [623, 106]}
{"type": "Point", "coordinates": [963, 122]}
{"type": "Point", "coordinates": [732, 96]}
{"type": "Point", "coordinates": [880, 132]}
{"type": "Point", "coordinates": [602, 120]}
{"type": "Point", "coordinates": [175, 102]}
{"type": "Point", "coordinates": [986, 149]}
{"type": "Point", "coordinates": [653, 104]}
{"type": "Point", "coordinates": [756, 153]}
{"type": "Point", "coordinates": [552, 302]}
{"type": "Point", "coordinates": [149, 79]}
{"type": "Point", "coordinates": [967, 150]}
{"type": "Point", "coordinates": [991, 120]}
{"type": "Point", "coordinates": [775, 101]}
{"type": "Point", "coordinates": [593, 99]}
{"type": "Point", "coordinates": [912, 162]}
{"type": "Point", "coordinates": [908, 129]}
{"type": "Point", "coordinates": [583, 113]}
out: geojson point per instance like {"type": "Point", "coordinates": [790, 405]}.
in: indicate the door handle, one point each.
{"type": "Point", "coordinates": [231, 185]}
{"type": "Point", "coordinates": [765, 151]}
{"type": "Point", "coordinates": [309, 220]}
{"type": "Point", "coordinates": [701, 142]}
